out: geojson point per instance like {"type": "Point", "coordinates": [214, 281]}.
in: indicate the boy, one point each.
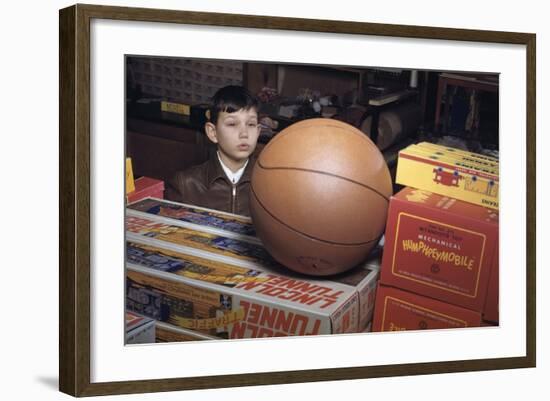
{"type": "Point", "coordinates": [223, 182]}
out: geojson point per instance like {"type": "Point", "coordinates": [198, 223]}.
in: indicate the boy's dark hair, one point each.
{"type": "Point", "coordinates": [230, 99]}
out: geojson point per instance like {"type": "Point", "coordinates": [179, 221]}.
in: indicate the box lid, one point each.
{"type": "Point", "coordinates": [446, 204]}
{"type": "Point", "coordinates": [148, 183]}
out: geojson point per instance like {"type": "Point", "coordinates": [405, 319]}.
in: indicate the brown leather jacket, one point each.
{"type": "Point", "coordinates": [207, 185]}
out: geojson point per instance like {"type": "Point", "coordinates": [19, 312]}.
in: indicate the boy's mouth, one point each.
{"type": "Point", "coordinates": [244, 146]}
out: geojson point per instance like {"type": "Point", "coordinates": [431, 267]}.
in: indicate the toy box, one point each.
{"type": "Point", "coordinates": [243, 250]}
{"type": "Point", "coordinates": [195, 217]}
{"type": "Point", "coordinates": [240, 231]}
{"type": "Point", "coordinates": [478, 157]}
{"type": "Point", "coordinates": [130, 185]}
{"type": "Point", "coordinates": [398, 310]}
{"type": "Point", "coordinates": [450, 174]}
{"type": "Point", "coordinates": [210, 259]}
{"type": "Point", "coordinates": [440, 247]}
{"type": "Point", "coordinates": [197, 291]}
{"type": "Point", "coordinates": [139, 329]}
{"type": "Point", "coordinates": [366, 288]}
{"type": "Point", "coordinates": [167, 333]}
{"type": "Point", "coordinates": [485, 162]}
{"type": "Point", "coordinates": [144, 187]}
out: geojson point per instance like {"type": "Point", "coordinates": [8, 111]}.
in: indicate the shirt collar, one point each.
{"type": "Point", "coordinates": [215, 171]}
{"type": "Point", "coordinates": [233, 177]}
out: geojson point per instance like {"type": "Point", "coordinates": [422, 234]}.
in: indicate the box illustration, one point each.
{"type": "Point", "coordinates": [195, 217]}
{"type": "Point", "coordinates": [232, 246]}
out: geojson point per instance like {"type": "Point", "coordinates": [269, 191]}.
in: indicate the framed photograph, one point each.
{"type": "Point", "coordinates": [135, 93]}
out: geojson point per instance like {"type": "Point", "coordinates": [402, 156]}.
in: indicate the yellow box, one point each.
{"type": "Point", "coordinates": [177, 108]}
{"type": "Point", "coordinates": [447, 176]}
{"type": "Point", "coordinates": [130, 185]}
{"type": "Point", "coordinates": [454, 158]}
{"type": "Point", "coordinates": [484, 159]}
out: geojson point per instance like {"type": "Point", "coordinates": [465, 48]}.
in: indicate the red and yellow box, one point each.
{"type": "Point", "coordinates": [456, 174]}
{"type": "Point", "coordinates": [398, 310]}
{"type": "Point", "coordinates": [146, 187]}
{"type": "Point", "coordinates": [440, 247]}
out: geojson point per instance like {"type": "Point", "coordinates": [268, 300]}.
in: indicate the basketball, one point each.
{"type": "Point", "coordinates": [319, 196]}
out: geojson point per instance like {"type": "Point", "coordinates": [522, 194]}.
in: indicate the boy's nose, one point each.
{"type": "Point", "coordinates": [243, 131]}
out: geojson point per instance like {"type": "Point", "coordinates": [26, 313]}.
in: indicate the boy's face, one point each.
{"type": "Point", "coordinates": [236, 135]}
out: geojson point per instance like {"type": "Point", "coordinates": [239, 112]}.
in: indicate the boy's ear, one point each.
{"type": "Point", "coordinates": [211, 132]}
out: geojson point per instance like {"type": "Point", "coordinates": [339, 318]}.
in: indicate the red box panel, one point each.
{"type": "Point", "coordinates": [440, 247]}
{"type": "Point", "coordinates": [397, 310]}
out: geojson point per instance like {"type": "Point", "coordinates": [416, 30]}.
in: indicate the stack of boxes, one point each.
{"type": "Point", "coordinates": [203, 274]}
{"type": "Point", "coordinates": [440, 262]}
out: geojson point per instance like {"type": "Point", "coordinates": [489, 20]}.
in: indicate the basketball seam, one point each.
{"type": "Point", "coordinates": [356, 131]}
{"type": "Point", "coordinates": [302, 233]}
{"type": "Point", "coordinates": [328, 174]}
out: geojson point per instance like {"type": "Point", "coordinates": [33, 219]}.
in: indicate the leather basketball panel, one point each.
{"type": "Point", "coordinates": [332, 147]}
{"type": "Point", "coordinates": [321, 206]}
{"type": "Point", "coordinates": [302, 254]}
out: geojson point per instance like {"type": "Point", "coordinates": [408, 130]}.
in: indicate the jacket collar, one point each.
{"type": "Point", "coordinates": [215, 171]}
